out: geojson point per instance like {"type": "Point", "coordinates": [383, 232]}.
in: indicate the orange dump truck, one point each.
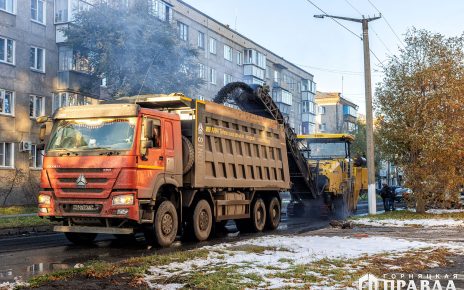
{"type": "Point", "coordinates": [161, 165]}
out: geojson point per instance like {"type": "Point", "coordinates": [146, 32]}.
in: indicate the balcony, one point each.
{"type": "Point", "coordinates": [349, 118]}
{"type": "Point", "coordinates": [78, 82]}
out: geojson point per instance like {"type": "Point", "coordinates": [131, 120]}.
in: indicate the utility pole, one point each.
{"type": "Point", "coordinates": [371, 195]}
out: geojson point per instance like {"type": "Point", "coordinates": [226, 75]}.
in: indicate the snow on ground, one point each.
{"type": "Point", "coordinates": [444, 211]}
{"type": "Point", "coordinates": [282, 253]}
{"type": "Point", "coordinates": [426, 223]}
{"type": "Point", "coordinates": [12, 285]}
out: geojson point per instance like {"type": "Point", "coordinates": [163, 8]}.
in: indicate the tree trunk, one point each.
{"type": "Point", "coordinates": [420, 204]}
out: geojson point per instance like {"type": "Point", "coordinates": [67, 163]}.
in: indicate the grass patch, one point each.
{"type": "Point", "coordinates": [230, 277]}
{"type": "Point", "coordinates": [407, 215]}
{"type": "Point", "coordinates": [24, 221]}
{"type": "Point", "coordinates": [136, 267]}
{"type": "Point", "coordinates": [12, 210]}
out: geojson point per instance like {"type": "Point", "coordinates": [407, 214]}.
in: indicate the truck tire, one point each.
{"type": "Point", "coordinates": [273, 214]}
{"type": "Point", "coordinates": [81, 239]}
{"type": "Point", "coordinates": [188, 155]}
{"type": "Point", "coordinates": [166, 224]}
{"type": "Point", "coordinates": [202, 220]}
{"type": "Point", "coordinates": [258, 215]}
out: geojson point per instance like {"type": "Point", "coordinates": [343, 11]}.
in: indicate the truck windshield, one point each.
{"type": "Point", "coordinates": [327, 150]}
{"type": "Point", "coordinates": [93, 134]}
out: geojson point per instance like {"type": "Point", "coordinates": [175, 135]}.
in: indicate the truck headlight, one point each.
{"type": "Point", "coordinates": [44, 199]}
{"type": "Point", "coordinates": [124, 199]}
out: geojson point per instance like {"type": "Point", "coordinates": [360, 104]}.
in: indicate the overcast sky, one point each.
{"type": "Point", "coordinates": [324, 48]}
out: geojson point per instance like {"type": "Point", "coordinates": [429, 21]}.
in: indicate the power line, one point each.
{"type": "Point", "coordinates": [354, 8]}
{"type": "Point", "coordinates": [346, 28]}
{"type": "Point", "coordinates": [388, 23]}
{"type": "Point", "coordinates": [336, 71]}
{"type": "Point", "coordinates": [371, 28]}
{"type": "Point", "coordinates": [336, 21]}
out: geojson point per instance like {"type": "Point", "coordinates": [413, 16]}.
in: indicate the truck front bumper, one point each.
{"type": "Point", "coordinates": [93, 230]}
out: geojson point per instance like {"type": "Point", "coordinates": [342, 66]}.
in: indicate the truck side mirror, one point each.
{"type": "Point", "coordinates": [144, 145]}
{"type": "Point", "coordinates": [42, 132]}
{"type": "Point", "coordinates": [148, 128]}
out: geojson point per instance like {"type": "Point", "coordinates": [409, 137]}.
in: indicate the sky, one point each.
{"type": "Point", "coordinates": [324, 48]}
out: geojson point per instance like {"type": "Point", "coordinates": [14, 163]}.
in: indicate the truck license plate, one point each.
{"type": "Point", "coordinates": [85, 207]}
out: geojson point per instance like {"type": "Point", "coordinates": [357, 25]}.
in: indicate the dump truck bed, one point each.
{"type": "Point", "coordinates": [232, 149]}
{"type": "Point", "coordinates": [238, 149]}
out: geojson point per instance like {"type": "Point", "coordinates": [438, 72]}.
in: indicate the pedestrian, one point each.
{"type": "Point", "coordinates": [385, 194]}
{"type": "Point", "coordinates": [392, 199]}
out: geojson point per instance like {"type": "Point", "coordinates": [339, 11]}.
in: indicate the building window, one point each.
{"type": "Point", "coordinates": [6, 102]}
{"type": "Point", "coordinates": [38, 11]}
{"type": "Point", "coordinates": [8, 6]}
{"type": "Point", "coordinates": [322, 127]}
{"type": "Point", "coordinates": [36, 106]}
{"type": "Point", "coordinates": [321, 110]}
{"type": "Point", "coordinates": [201, 40]}
{"type": "Point", "coordinates": [183, 30]}
{"type": "Point", "coordinates": [212, 45]}
{"type": "Point", "coordinates": [7, 50]}
{"type": "Point", "coordinates": [349, 110]}
{"type": "Point", "coordinates": [239, 58]}
{"type": "Point", "coordinates": [61, 11]}
{"type": "Point", "coordinates": [227, 79]}
{"type": "Point", "coordinates": [202, 71]}
{"type": "Point", "coordinates": [36, 160]}
{"type": "Point", "coordinates": [212, 76]}
{"type": "Point", "coordinates": [6, 154]}
{"type": "Point", "coordinates": [276, 76]}
{"type": "Point", "coordinates": [254, 57]}
{"type": "Point", "coordinates": [69, 99]}
{"type": "Point", "coordinates": [282, 96]}
{"type": "Point", "coordinates": [37, 59]}
{"type": "Point", "coordinates": [161, 10]}
{"type": "Point", "coordinates": [228, 54]}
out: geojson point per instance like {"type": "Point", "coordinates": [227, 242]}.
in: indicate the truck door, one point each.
{"type": "Point", "coordinates": [168, 134]}
{"type": "Point", "coordinates": [154, 160]}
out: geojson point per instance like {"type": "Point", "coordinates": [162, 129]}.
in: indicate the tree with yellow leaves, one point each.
{"type": "Point", "coordinates": [420, 104]}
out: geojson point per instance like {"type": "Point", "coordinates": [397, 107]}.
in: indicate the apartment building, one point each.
{"type": "Point", "coordinates": [39, 73]}
{"type": "Point", "coordinates": [335, 114]}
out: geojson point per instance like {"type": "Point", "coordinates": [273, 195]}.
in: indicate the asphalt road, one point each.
{"type": "Point", "coordinates": [31, 255]}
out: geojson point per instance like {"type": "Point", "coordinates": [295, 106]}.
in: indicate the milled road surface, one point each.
{"type": "Point", "coordinates": [31, 255]}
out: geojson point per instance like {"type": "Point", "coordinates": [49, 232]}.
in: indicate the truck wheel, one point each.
{"type": "Point", "coordinates": [202, 220]}
{"type": "Point", "coordinates": [166, 224]}
{"type": "Point", "coordinates": [273, 214]}
{"type": "Point", "coordinates": [258, 215]}
{"type": "Point", "coordinates": [81, 238]}
{"type": "Point", "coordinates": [188, 155]}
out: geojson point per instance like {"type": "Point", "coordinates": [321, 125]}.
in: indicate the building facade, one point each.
{"type": "Point", "coordinates": [39, 73]}
{"type": "Point", "coordinates": [335, 114]}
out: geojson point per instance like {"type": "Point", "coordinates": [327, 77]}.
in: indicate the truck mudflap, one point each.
{"type": "Point", "coordinates": [93, 230]}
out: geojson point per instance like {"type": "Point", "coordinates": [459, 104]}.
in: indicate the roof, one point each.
{"type": "Point", "coordinates": [326, 136]}
{"type": "Point", "coordinates": [332, 98]}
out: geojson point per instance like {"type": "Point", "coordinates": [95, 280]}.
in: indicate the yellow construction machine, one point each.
{"type": "Point", "coordinates": [341, 178]}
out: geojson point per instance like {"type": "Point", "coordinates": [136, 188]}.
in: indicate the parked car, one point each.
{"type": "Point", "coordinates": [401, 193]}
{"type": "Point", "coordinates": [285, 198]}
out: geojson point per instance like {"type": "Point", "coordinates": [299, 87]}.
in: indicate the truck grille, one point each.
{"type": "Point", "coordinates": [82, 190]}
{"type": "Point", "coordinates": [82, 170]}
{"type": "Point", "coordinates": [89, 180]}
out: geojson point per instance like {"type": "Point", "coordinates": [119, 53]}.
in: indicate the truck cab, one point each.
{"type": "Point", "coordinates": [339, 176]}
